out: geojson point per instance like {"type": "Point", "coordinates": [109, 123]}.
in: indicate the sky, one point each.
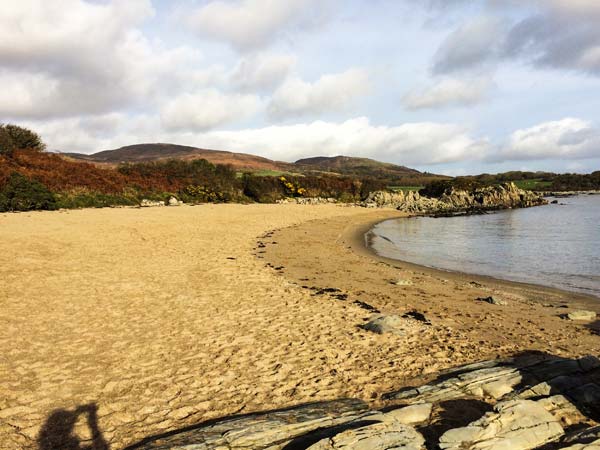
{"type": "Point", "coordinates": [445, 86]}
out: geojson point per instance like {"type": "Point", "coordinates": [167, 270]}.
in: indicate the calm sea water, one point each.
{"type": "Point", "coordinates": [554, 245]}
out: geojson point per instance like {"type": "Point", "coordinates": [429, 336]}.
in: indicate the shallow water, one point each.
{"type": "Point", "coordinates": [554, 245]}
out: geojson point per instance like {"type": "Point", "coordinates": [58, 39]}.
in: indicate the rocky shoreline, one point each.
{"type": "Point", "coordinates": [453, 201]}
{"type": "Point", "coordinates": [532, 401]}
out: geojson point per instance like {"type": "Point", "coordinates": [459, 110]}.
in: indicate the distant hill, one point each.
{"type": "Point", "coordinates": [348, 165]}
{"type": "Point", "coordinates": [340, 165]}
{"type": "Point", "coordinates": [158, 152]}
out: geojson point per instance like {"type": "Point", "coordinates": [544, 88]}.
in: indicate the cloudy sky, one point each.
{"type": "Point", "coordinates": [447, 86]}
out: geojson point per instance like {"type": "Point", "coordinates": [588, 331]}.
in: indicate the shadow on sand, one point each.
{"type": "Point", "coordinates": [59, 430]}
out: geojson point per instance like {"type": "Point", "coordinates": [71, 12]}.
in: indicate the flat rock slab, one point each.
{"type": "Point", "coordinates": [516, 425]}
{"type": "Point", "coordinates": [386, 433]}
{"type": "Point", "coordinates": [581, 315]}
{"type": "Point", "coordinates": [270, 430]}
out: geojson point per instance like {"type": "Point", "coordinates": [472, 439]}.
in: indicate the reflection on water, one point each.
{"type": "Point", "coordinates": [554, 245]}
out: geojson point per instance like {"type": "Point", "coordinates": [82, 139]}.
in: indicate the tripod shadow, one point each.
{"type": "Point", "coordinates": [59, 430]}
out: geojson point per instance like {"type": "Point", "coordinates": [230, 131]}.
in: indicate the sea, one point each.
{"type": "Point", "coordinates": [556, 245]}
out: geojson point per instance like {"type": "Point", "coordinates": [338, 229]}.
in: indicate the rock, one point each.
{"type": "Point", "coordinates": [391, 324]}
{"type": "Point", "coordinates": [145, 203]}
{"type": "Point", "coordinates": [554, 202]}
{"type": "Point", "coordinates": [273, 430]}
{"type": "Point", "coordinates": [487, 382]}
{"type": "Point", "coordinates": [413, 414]}
{"type": "Point", "coordinates": [535, 374]}
{"type": "Point", "coordinates": [387, 433]}
{"type": "Point", "coordinates": [402, 282]}
{"type": "Point", "coordinates": [174, 202]}
{"type": "Point", "coordinates": [562, 409]}
{"type": "Point", "coordinates": [516, 403]}
{"type": "Point", "coordinates": [492, 301]}
{"type": "Point", "coordinates": [507, 195]}
{"type": "Point", "coordinates": [516, 425]}
{"type": "Point", "coordinates": [307, 200]}
{"type": "Point", "coordinates": [588, 439]}
{"type": "Point", "coordinates": [581, 315]}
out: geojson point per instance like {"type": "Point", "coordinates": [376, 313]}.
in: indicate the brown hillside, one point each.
{"type": "Point", "coordinates": [158, 152]}
{"type": "Point", "coordinates": [60, 174]}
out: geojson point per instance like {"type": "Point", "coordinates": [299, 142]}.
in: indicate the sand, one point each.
{"type": "Point", "coordinates": [166, 317]}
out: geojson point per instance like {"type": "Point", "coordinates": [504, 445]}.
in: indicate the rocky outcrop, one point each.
{"type": "Point", "coordinates": [504, 196]}
{"type": "Point", "coordinates": [307, 200]}
{"type": "Point", "coordinates": [145, 203]}
{"type": "Point", "coordinates": [533, 401]}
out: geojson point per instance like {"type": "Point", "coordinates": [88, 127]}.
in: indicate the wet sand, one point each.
{"type": "Point", "coordinates": [162, 318]}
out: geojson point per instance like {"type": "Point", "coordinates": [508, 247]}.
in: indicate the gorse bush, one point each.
{"type": "Point", "coordinates": [14, 137]}
{"type": "Point", "coordinates": [270, 189]}
{"type": "Point", "coordinates": [22, 194]}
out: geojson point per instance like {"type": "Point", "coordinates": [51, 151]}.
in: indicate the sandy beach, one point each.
{"type": "Point", "coordinates": [161, 318]}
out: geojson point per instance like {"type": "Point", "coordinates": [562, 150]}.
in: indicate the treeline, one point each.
{"type": "Point", "coordinates": [32, 179]}
{"type": "Point", "coordinates": [576, 182]}
{"type": "Point", "coordinates": [537, 181]}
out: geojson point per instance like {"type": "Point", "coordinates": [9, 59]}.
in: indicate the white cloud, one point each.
{"type": "Point", "coordinates": [449, 92]}
{"type": "Point", "coordinates": [250, 24]}
{"type": "Point", "coordinates": [262, 71]}
{"type": "Point", "coordinates": [207, 109]}
{"type": "Point", "coordinates": [72, 57]}
{"type": "Point", "coordinates": [569, 138]}
{"type": "Point", "coordinates": [332, 92]}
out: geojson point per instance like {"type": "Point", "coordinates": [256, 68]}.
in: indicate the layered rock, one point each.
{"type": "Point", "coordinates": [534, 401]}
{"type": "Point", "coordinates": [503, 196]}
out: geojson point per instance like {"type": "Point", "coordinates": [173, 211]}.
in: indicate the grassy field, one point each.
{"type": "Point", "coordinates": [405, 188]}
{"type": "Point", "coordinates": [532, 185]}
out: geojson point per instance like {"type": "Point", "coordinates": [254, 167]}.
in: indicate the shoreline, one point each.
{"type": "Point", "coordinates": [359, 241]}
{"type": "Point", "coordinates": [466, 330]}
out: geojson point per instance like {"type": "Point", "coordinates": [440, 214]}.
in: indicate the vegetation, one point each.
{"type": "Point", "coordinates": [14, 137]}
{"type": "Point", "coordinates": [576, 182]}
{"type": "Point", "coordinates": [405, 188]}
{"type": "Point", "coordinates": [535, 184]}
{"type": "Point", "coordinates": [534, 181]}
{"type": "Point", "coordinates": [438, 187]}
{"type": "Point", "coordinates": [32, 179]}
{"type": "Point", "coordinates": [20, 193]}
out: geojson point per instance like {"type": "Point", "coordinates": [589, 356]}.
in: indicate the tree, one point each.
{"type": "Point", "coordinates": [19, 138]}
{"type": "Point", "coordinates": [6, 143]}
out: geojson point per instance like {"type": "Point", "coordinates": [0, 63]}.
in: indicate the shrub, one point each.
{"type": "Point", "coordinates": [263, 189]}
{"type": "Point", "coordinates": [84, 198]}
{"type": "Point", "coordinates": [202, 194]}
{"type": "Point", "coordinates": [22, 194]}
{"type": "Point", "coordinates": [6, 143]}
{"type": "Point", "coordinates": [17, 137]}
